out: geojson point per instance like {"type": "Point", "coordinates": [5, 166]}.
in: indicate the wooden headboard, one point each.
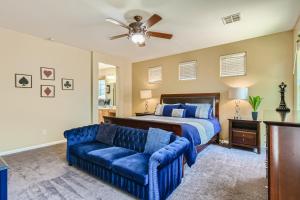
{"type": "Point", "coordinates": [211, 98]}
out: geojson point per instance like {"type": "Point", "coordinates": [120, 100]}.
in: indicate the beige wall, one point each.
{"type": "Point", "coordinates": [124, 83]}
{"type": "Point", "coordinates": [26, 118]}
{"type": "Point", "coordinates": [269, 62]}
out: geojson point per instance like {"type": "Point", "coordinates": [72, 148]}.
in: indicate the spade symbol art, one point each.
{"type": "Point", "coordinates": [67, 84]}
{"type": "Point", "coordinates": [23, 81]}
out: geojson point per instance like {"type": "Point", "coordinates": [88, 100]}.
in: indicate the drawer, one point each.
{"type": "Point", "coordinates": [244, 137]}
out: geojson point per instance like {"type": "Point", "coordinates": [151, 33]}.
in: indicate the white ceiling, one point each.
{"type": "Point", "coordinates": [195, 23]}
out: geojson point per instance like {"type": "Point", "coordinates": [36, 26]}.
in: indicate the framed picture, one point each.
{"type": "Point", "coordinates": [23, 81]}
{"type": "Point", "coordinates": [107, 89]}
{"type": "Point", "coordinates": [47, 73]}
{"type": "Point", "coordinates": [47, 91]}
{"type": "Point", "coordinates": [67, 84]}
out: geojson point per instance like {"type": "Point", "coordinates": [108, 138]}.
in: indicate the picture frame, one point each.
{"type": "Point", "coordinates": [23, 81]}
{"type": "Point", "coordinates": [67, 84]}
{"type": "Point", "coordinates": [47, 73]}
{"type": "Point", "coordinates": [47, 91]}
{"type": "Point", "coordinates": [107, 89]}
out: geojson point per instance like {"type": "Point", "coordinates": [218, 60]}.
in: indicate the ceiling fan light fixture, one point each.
{"type": "Point", "coordinates": [138, 38]}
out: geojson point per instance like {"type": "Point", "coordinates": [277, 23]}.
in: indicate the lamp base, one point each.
{"type": "Point", "coordinates": [237, 114]}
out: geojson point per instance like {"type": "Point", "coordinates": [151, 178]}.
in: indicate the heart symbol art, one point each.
{"type": "Point", "coordinates": [47, 91]}
{"type": "Point", "coordinates": [47, 73]}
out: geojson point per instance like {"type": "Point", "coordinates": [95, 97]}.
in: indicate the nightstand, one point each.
{"type": "Point", "coordinates": [244, 133]}
{"type": "Point", "coordinates": [143, 114]}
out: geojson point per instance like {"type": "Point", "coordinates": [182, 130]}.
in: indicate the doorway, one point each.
{"type": "Point", "coordinates": [107, 91]}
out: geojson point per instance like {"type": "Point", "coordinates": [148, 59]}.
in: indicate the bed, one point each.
{"type": "Point", "coordinates": [200, 132]}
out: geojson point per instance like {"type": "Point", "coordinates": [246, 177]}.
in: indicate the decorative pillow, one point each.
{"type": "Point", "coordinates": [106, 133]}
{"type": "Point", "coordinates": [178, 113]}
{"type": "Point", "coordinates": [190, 111]}
{"type": "Point", "coordinates": [204, 110]}
{"type": "Point", "coordinates": [159, 109]}
{"type": "Point", "coordinates": [156, 139]}
{"type": "Point", "coordinates": [167, 109]}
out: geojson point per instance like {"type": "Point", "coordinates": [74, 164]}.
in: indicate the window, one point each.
{"type": "Point", "coordinates": [154, 74]}
{"type": "Point", "coordinates": [102, 89]}
{"type": "Point", "coordinates": [187, 70]}
{"type": "Point", "coordinates": [233, 65]}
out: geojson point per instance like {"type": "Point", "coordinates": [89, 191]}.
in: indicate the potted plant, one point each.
{"type": "Point", "coordinates": [255, 103]}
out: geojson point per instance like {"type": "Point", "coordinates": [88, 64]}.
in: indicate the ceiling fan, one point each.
{"type": "Point", "coordinates": [138, 30]}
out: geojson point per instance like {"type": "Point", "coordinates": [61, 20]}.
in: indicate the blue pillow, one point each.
{"type": "Point", "coordinates": [156, 139]}
{"type": "Point", "coordinates": [204, 110]}
{"type": "Point", "coordinates": [190, 111]}
{"type": "Point", "coordinates": [167, 110]}
{"type": "Point", "coordinates": [106, 133]}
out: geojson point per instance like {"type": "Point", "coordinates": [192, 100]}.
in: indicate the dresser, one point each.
{"type": "Point", "coordinates": [283, 155]}
{"type": "Point", "coordinates": [3, 182]}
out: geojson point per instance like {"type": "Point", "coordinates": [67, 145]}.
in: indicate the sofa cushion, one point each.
{"type": "Point", "coordinates": [105, 157]}
{"type": "Point", "coordinates": [106, 134]}
{"type": "Point", "coordinates": [156, 139]}
{"type": "Point", "coordinates": [82, 149]}
{"type": "Point", "coordinates": [134, 167]}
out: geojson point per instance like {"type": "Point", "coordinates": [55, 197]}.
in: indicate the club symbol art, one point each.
{"type": "Point", "coordinates": [67, 84]}
{"type": "Point", "coordinates": [23, 81]}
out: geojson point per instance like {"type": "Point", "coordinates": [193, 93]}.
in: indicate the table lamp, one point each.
{"type": "Point", "coordinates": [238, 93]}
{"type": "Point", "coordinates": [146, 94]}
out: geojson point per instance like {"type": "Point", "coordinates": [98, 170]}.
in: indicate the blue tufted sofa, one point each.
{"type": "Point", "coordinates": [124, 164]}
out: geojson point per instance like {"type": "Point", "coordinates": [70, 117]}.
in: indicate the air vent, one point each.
{"type": "Point", "coordinates": [231, 18]}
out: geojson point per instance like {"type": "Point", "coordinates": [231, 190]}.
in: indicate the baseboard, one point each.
{"type": "Point", "coordinates": [19, 150]}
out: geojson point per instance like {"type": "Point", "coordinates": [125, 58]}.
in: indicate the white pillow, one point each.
{"type": "Point", "coordinates": [159, 109]}
{"type": "Point", "coordinates": [202, 111]}
{"type": "Point", "coordinates": [177, 112]}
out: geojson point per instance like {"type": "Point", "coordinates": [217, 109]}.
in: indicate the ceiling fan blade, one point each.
{"type": "Point", "coordinates": [142, 45]}
{"type": "Point", "coordinates": [118, 36]}
{"type": "Point", "coordinates": [117, 22]}
{"type": "Point", "coordinates": [159, 35]}
{"type": "Point", "coordinates": [152, 20]}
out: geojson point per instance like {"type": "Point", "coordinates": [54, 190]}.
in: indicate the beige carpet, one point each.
{"type": "Point", "coordinates": [219, 174]}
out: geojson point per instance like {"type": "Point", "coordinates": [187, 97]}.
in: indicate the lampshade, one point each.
{"type": "Point", "coordinates": [238, 93]}
{"type": "Point", "coordinates": [146, 94]}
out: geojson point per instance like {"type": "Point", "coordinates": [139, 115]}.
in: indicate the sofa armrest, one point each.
{"type": "Point", "coordinates": [171, 152]}
{"type": "Point", "coordinates": [81, 135]}
{"type": "Point", "coordinates": [167, 157]}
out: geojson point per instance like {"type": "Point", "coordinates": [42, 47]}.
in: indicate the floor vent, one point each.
{"type": "Point", "coordinates": [231, 18]}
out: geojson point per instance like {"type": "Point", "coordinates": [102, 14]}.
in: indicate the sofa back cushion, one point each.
{"type": "Point", "coordinates": [130, 138]}
{"type": "Point", "coordinates": [106, 134]}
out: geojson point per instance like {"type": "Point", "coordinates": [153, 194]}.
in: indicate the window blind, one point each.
{"type": "Point", "coordinates": [187, 70]}
{"type": "Point", "coordinates": [233, 65]}
{"type": "Point", "coordinates": [154, 74]}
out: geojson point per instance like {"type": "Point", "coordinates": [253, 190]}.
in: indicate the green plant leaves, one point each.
{"type": "Point", "coordinates": [255, 102]}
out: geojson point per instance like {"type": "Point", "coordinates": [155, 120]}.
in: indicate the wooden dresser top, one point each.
{"type": "Point", "coordinates": [281, 119]}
